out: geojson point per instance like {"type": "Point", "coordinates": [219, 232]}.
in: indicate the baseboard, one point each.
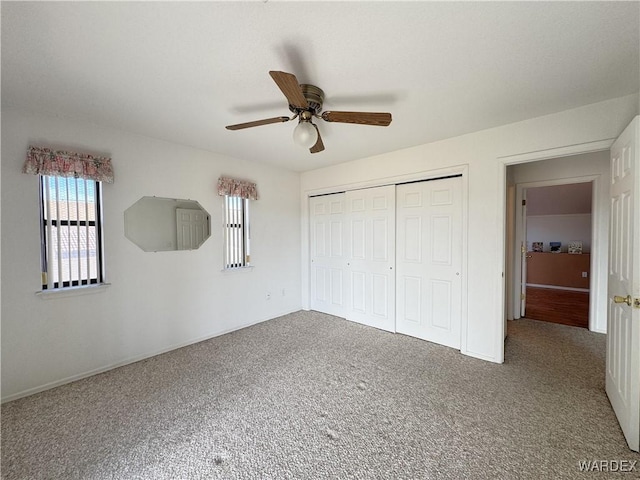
{"type": "Point", "coordinates": [130, 360]}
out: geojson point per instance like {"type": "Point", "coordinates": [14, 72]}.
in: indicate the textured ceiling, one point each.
{"type": "Point", "coordinates": [182, 71]}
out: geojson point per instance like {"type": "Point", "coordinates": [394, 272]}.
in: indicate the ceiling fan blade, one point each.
{"type": "Point", "coordinates": [288, 83]}
{"type": "Point", "coordinates": [319, 146]}
{"type": "Point", "coordinates": [257, 123]}
{"type": "Point", "coordinates": [361, 118]}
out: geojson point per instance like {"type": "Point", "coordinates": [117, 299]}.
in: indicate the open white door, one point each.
{"type": "Point", "coordinates": [623, 319]}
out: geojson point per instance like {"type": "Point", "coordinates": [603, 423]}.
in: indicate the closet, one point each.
{"type": "Point", "coordinates": [390, 257]}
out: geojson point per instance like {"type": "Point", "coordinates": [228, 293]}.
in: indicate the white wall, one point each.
{"type": "Point", "coordinates": [156, 301]}
{"type": "Point", "coordinates": [561, 170]}
{"type": "Point", "coordinates": [484, 154]}
{"type": "Point", "coordinates": [559, 228]}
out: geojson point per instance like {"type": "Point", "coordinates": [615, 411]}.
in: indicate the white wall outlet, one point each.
{"type": "Point", "coordinates": [584, 274]}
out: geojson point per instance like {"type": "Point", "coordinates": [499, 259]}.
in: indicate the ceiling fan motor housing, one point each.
{"type": "Point", "coordinates": [314, 96]}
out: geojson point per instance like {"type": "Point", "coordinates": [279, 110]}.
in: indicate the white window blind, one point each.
{"type": "Point", "coordinates": [236, 232]}
{"type": "Point", "coordinates": [71, 237]}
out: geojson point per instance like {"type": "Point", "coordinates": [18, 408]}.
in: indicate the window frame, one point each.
{"type": "Point", "coordinates": [236, 218]}
{"type": "Point", "coordinates": [94, 278]}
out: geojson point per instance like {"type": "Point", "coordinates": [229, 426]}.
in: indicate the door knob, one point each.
{"type": "Point", "coordinates": [619, 299]}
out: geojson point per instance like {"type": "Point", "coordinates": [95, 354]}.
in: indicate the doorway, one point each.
{"type": "Point", "coordinates": [557, 235]}
{"type": "Point", "coordinates": [590, 168]}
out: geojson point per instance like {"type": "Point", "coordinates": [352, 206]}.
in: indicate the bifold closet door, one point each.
{"type": "Point", "coordinates": [328, 256]}
{"type": "Point", "coordinates": [370, 235]}
{"type": "Point", "coordinates": [429, 260]}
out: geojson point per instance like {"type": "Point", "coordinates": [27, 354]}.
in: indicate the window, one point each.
{"type": "Point", "coordinates": [71, 232]}
{"type": "Point", "coordinates": [237, 194]}
{"type": "Point", "coordinates": [236, 232]}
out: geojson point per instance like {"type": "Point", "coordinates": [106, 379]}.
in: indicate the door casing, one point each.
{"type": "Point", "coordinates": [503, 163]}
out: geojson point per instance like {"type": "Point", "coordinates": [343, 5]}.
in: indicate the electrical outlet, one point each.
{"type": "Point", "coordinates": [584, 274]}
{"type": "Point", "coordinates": [268, 295]}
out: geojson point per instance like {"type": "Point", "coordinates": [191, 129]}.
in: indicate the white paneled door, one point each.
{"type": "Point", "coordinates": [328, 254]}
{"type": "Point", "coordinates": [192, 228]}
{"type": "Point", "coordinates": [429, 260]}
{"type": "Point", "coordinates": [370, 235]}
{"type": "Point", "coordinates": [623, 320]}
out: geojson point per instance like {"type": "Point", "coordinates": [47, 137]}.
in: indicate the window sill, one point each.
{"type": "Point", "coordinates": [72, 291]}
{"type": "Point", "coordinates": [231, 271]}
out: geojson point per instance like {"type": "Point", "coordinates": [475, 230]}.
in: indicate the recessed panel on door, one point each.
{"type": "Point", "coordinates": [441, 196]}
{"type": "Point", "coordinates": [358, 238]}
{"type": "Point", "coordinates": [440, 314]}
{"type": "Point", "coordinates": [441, 243]}
{"type": "Point", "coordinates": [359, 292]}
{"type": "Point", "coordinates": [337, 287]}
{"type": "Point", "coordinates": [319, 244]}
{"type": "Point", "coordinates": [336, 238]}
{"type": "Point", "coordinates": [320, 292]}
{"type": "Point", "coordinates": [380, 202]}
{"type": "Point", "coordinates": [336, 206]}
{"type": "Point", "coordinates": [412, 251]}
{"type": "Point", "coordinates": [412, 199]}
{"type": "Point", "coordinates": [380, 239]}
{"type": "Point", "coordinates": [380, 297]}
{"type": "Point", "coordinates": [412, 299]}
{"type": "Point", "coordinates": [358, 204]}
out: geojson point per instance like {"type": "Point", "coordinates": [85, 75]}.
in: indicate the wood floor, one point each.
{"type": "Point", "coordinates": [558, 306]}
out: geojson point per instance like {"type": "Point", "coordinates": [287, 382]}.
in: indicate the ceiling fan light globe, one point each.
{"type": "Point", "coordinates": [305, 135]}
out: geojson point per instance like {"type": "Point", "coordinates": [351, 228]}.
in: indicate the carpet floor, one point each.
{"type": "Point", "coordinates": [311, 396]}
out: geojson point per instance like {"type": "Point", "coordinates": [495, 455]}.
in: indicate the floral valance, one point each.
{"type": "Point", "coordinates": [237, 188]}
{"type": "Point", "coordinates": [44, 161]}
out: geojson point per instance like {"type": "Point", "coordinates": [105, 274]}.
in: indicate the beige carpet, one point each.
{"type": "Point", "coordinates": [313, 396]}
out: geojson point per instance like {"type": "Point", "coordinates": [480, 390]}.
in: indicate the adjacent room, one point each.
{"type": "Point", "coordinates": [558, 223]}
{"type": "Point", "coordinates": [291, 240]}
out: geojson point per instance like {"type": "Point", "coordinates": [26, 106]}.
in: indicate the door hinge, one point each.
{"type": "Point", "coordinates": [522, 296]}
{"type": "Point", "coordinates": [44, 278]}
{"type": "Point", "coordinates": [524, 203]}
{"type": "Point", "coordinates": [523, 249]}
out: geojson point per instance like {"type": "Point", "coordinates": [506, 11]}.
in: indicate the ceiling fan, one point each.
{"type": "Point", "coordinates": [305, 101]}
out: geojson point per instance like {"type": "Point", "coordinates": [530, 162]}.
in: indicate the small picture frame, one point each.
{"type": "Point", "coordinates": [555, 247]}
{"type": "Point", "coordinates": [575, 247]}
{"type": "Point", "coordinates": [537, 246]}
